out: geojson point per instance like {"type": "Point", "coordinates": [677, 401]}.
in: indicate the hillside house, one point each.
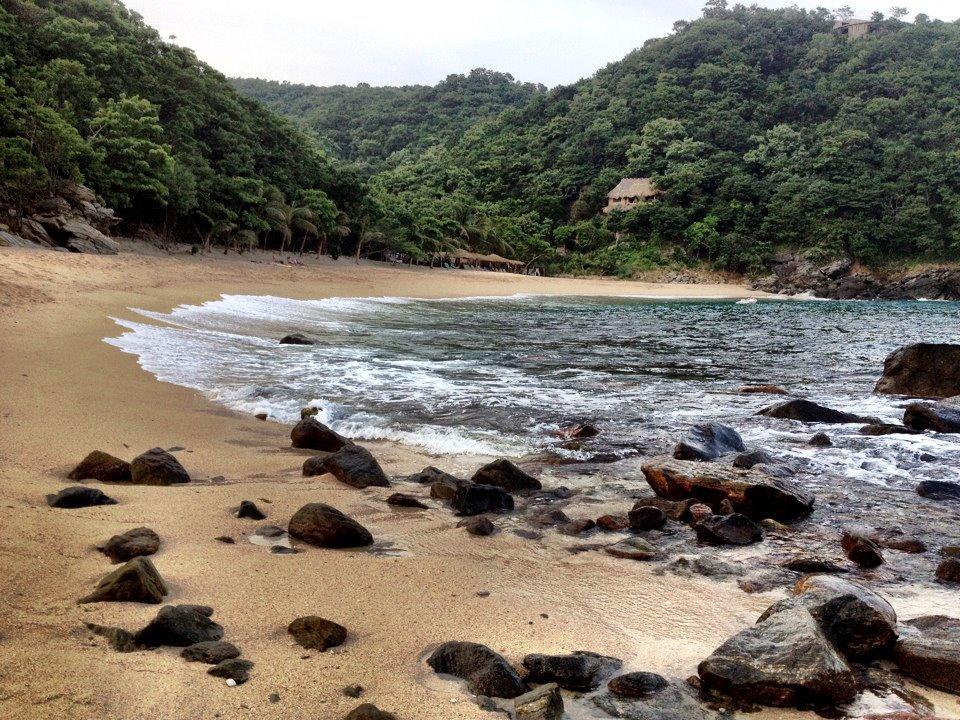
{"type": "Point", "coordinates": [852, 28]}
{"type": "Point", "coordinates": [629, 192]}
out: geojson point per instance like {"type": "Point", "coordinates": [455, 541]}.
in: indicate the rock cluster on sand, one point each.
{"type": "Point", "coordinates": [78, 496]}
{"type": "Point", "coordinates": [311, 434]}
{"type": "Point", "coordinates": [486, 672]}
{"type": "Point", "coordinates": [351, 464]}
{"type": "Point", "coordinates": [927, 370]}
{"type": "Point", "coordinates": [133, 543]}
{"type": "Point", "coordinates": [325, 526]}
{"type": "Point", "coordinates": [317, 633]}
{"type": "Point", "coordinates": [708, 442]}
{"type": "Point", "coordinates": [137, 580]}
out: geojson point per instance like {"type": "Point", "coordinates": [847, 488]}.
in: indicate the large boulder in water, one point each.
{"type": "Point", "coordinates": [133, 543]}
{"type": "Point", "coordinates": [312, 434]}
{"type": "Point", "coordinates": [785, 660]}
{"type": "Point", "coordinates": [474, 499]}
{"type": "Point", "coordinates": [708, 442]}
{"type": "Point", "coordinates": [942, 417]}
{"type": "Point", "coordinates": [581, 670]}
{"type": "Point", "coordinates": [325, 526]}
{"type": "Point", "coordinates": [356, 466]}
{"type": "Point", "coordinates": [180, 626]}
{"type": "Point", "coordinates": [486, 672]}
{"type": "Point", "coordinates": [858, 621]}
{"type": "Point", "coordinates": [78, 496]}
{"type": "Point", "coordinates": [928, 370]}
{"type": "Point", "coordinates": [157, 467]}
{"type": "Point", "coordinates": [929, 651]}
{"type": "Point", "coordinates": [751, 492]}
{"type": "Point", "coordinates": [807, 411]}
{"type": "Point", "coordinates": [102, 467]}
{"type": "Point", "coordinates": [507, 476]}
{"type": "Point", "coordinates": [136, 580]}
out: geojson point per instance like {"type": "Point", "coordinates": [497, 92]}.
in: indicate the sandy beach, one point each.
{"type": "Point", "coordinates": [65, 393]}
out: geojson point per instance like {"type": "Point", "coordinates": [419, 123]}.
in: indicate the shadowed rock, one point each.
{"type": "Point", "coordinates": [157, 467]}
{"type": "Point", "coordinates": [647, 696]}
{"type": "Point", "coordinates": [646, 517]}
{"type": "Point", "coordinates": [120, 640]}
{"type": "Point", "coordinates": [325, 526]}
{"type": "Point", "coordinates": [929, 651]}
{"type": "Point", "coordinates": [296, 339]}
{"type": "Point", "coordinates": [180, 626]}
{"type": "Point", "coordinates": [406, 501]}
{"type": "Point", "coordinates": [479, 526]}
{"type": "Point", "coordinates": [102, 467]}
{"type": "Point", "coordinates": [486, 672]}
{"type": "Point", "coordinates": [446, 488]}
{"type": "Point", "coordinates": [355, 466]}
{"type": "Point", "coordinates": [507, 476]}
{"type": "Point", "coordinates": [810, 412]}
{"type": "Point", "coordinates": [939, 490]}
{"type": "Point", "coordinates": [137, 580]}
{"type": "Point", "coordinates": [633, 548]}
{"type": "Point", "coordinates": [233, 669]}
{"type": "Point", "coordinates": [77, 496]}
{"type": "Point", "coordinates": [751, 492]}
{"type": "Point", "coordinates": [312, 434]}
{"type": "Point", "coordinates": [878, 429]}
{"type": "Point", "coordinates": [928, 370]}
{"type": "Point", "coordinates": [861, 550]}
{"type": "Point", "coordinates": [948, 571]}
{"type": "Point", "coordinates": [368, 711]}
{"type": "Point", "coordinates": [248, 509]}
{"type": "Point", "coordinates": [429, 475]}
{"type": "Point", "coordinates": [708, 442]}
{"type": "Point", "coordinates": [942, 417]}
{"type": "Point", "coordinates": [733, 529]}
{"type": "Point", "coordinates": [749, 458]}
{"type": "Point", "coordinates": [133, 543]}
{"type": "Point", "coordinates": [210, 652]}
{"type": "Point", "coordinates": [544, 703]}
{"type": "Point", "coordinates": [581, 670]}
{"type": "Point", "coordinates": [637, 684]}
{"type": "Point", "coordinates": [317, 633]}
{"type": "Point", "coordinates": [476, 499]}
{"type": "Point", "coordinates": [820, 440]}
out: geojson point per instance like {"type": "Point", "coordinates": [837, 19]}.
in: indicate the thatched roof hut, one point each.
{"type": "Point", "coordinates": [629, 192]}
{"type": "Point", "coordinates": [472, 259]}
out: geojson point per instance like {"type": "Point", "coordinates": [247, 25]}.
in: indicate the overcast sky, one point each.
{"type": "Point", "coordinates": [397, 42]}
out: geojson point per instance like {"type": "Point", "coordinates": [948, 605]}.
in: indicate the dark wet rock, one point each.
{"type": "Point", "coordinates": [943, 417]}
{"type": "Point", "coordinates": [369, 711]}
{"type": "Point", "coordinates": [820, 440]}
{"type": "Point", "coordinates": [296, 339]}
{"type": "Point", "coordinates": [948, 571]}
{"type": "Point", "coordinates": [325, 526]}
{"type": "Point", "coordinates": [938, 490]}
{"type": "Point", "coordinates": [78, 496]}
{"type": "Point", "coordinates": [352, 691]}
{"type": "Point", "coordinates": [633, 548]}
{"type": "Point", "coordinates": [613, 523]}
{"type": "Point", "coordinates": [950, 551]}
{"type": "Point", "coordinates": [180, 626]}
{"type": "Point", "coordinates": [446, 488]}
{"type": "Point", "coordinates": [355, 466]}
{"type": "Point", "coordinates": [309, 411]}
{"type": "Point", "coordinates": [895, 539]}
{"type": "Point", "coordinates": [929, 651]}
{"type": "Point", "coordinates": [647, 696]}
{"type": "Point", "coordinates": [120, 640]}
{"type": "Point", "coordinates": [507, 476]}
{"type": "Point", "coordinates": [261, 416]}
{"type": "Point", "coordinates": [248, 509]}
{"type": "Point", "coordinates": [137, 580]}
{"type": "Point", "coordinates": [763, 390]}
{"type": "Point", "coordinates": [812, 566]}
{"type": "Point", "coordinates": [234, 669]}
{"type": "Point", "coordinates": [479, 526]}
{"type": "Point", "coordinates": [133, 543]}
{"type": "Point", "coordinates": [675, 509]}
{"type": "Point", "coordinates": [580, 670]}
{"type": "Point", "coordinates": [429, 475]}
{"type": "Point", "coordinates": [550, 518]}
{"type": "Point", "coordinates": [750, 492]}
{"type": "Point", "coordinates": [708, 442]}
{"type": "Point", "coordinates": [210, 652]}
{"type": "Point", "coordinates": [312, 434]}
{"type": "Point", "coordinates": [579, 432]}
{"type": "Point", "coordinates": [157, 467]}
{"type": "Point", "coordinates": [929, 370]}
{"type": "Point", "coordinates": [543, 703]}
{"type": "Point", "coordinates": [877, 429]}
{"type": "Point", "coordinates": [733, 529]}
{"type": "Point", "coordinates": [486, 672]}
{"type": "Point", "coordinates": [857, 620]}
{"type": "Point", "coordinates": [102, 467]}
{"type": "Point", "coordinates": [646, 517]}
{"type": "Point", "coordinates": [810, 412]}
{"type": "Point", "coordinates": [861, 550]}
{"type": "Point", "coordinates": [749, 458]}
{"type": "Point", "coordinates": [406, 501]}
{"type": "Point", "coordinates": [477, 499]}
{"type": "Point", "coordinates": [284, 550]}
{"type": "Point", "coordinates": [225, 539]}
{"type": "Point", "coordinates": [317, 633]}
{"type": "Point", "coordinates": [785, 660]}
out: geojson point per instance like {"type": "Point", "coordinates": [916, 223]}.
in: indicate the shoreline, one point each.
{"type": "Point", "coordinates": [66, 392]}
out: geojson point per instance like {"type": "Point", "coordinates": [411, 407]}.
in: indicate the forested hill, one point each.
{"type": "Point", "coordinates": [367, 124]}
{"type": "Point", "coordinates": [89, 93]}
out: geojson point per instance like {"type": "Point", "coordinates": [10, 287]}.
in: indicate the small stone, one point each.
{"type": "Point", "coordinates": [613, 523]}
{"type": "Point", "coordinates": [225, 539]}
{"type": "Point", "coordinates": [211, 652]}
{"type": "Point", "coordinates": [295, 339]}
{"type": "Point", "coordinates": [861, 550]}
{"type": "Point", "coordinates": [646, 517]}
{"type": "Point", "coordinates": [308, 412]}
{"type": "Point", "coordinates": [248, 509]}
{"type": "Point", "coordinates": [180, 626]}
{"type": "Point", "coordinates": [137, 580]}
{"type": "Point", "coordinates": [733, 529]}
{"type": "Point", "coordinates": [637, 685]}
{"type": "Point", "coordinates": [407, 501]}
{"type": "Point", "coordinates": [367, 711]}
{"type": "Point", "coordinates": [274, 697]}
{"type": "Point", "coordinates": [480, 526]}
{"type": "Point", "coordinates": [103, 467]}
{"type": "Point", "coordinates": [821, 440]}
{"type": "Point", "coordinates": [505, 475]}
{"type": "Point", "coordinates": [699, 512]}
{"type": "Point", "coordinates": [634, 548]}
{"type": "Point", "coordinates": [325, 526]}
{"type": "Point", "coordinates": [261, 416]}
{"type": "Point", "coordinates": [353, 691]}
{"type": "Point", "coordinates": [317, 633]}
{"type": "Point", "coordinates": [233, 669]}
{"type": "Point", "coordinates": [157, 467]}
{"type": "Point", "coordinates": [133, 543]}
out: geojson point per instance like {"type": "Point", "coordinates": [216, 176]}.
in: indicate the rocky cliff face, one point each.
{"type": "Point", "coordinates": [69, 220]}
{"type": "Point", "coordinates": [794, 274]}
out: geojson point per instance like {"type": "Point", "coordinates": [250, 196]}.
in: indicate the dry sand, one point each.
{"type": "Point", "coordinates": [65, 392]}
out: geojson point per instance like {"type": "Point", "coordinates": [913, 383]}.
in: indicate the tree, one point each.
{"type": "Point", "coordinates": [288, 220]}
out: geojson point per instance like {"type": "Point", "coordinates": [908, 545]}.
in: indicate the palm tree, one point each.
{"type": "Point", "coordinates": [287, 220]}
{"type": "Point", "coordinates": [221, 227]}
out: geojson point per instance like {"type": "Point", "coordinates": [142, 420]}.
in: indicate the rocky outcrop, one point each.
{"type": "Point", "coordinates": [507, 476]}
{"type": "Point", "coordinates": [942, 417]}
{"type": "Point", "coordinates": [810, 412]}
{"type": "Point", "coordinates": [751, 492]}
{"type": "Point", "coordinates": [79, 236]}
{"type": "Point", "coordinates": [708, 442]}
{"type": "Point", "coordinates": [157, 467]}
{"type": "Point", "coordinates": [78, 496]}
{"type": "Point", "coordinates": [70, 219]}
{"type": "Point", "coordinates": [929, 651]}
{"type": "Point", "coordinates": [312, 434]}
{"type": "Point", "coordinates": [136, 580]}
{"type": "Point", "coordinates": [926, 370]}
{"type": "Point", "coordinates": [102, 467]}
{"type": "Point", "coordinates": [180, 626]}
{"type": "Point", "coordinates": [355, 466]}
{"type": "Point", "coordinates": [486, 672]}
{"type": "Point", "coordinates": [133, 543]}
{"type": "Point", "coordinates": [581, 671]}
{"type": "Point", "coordinates": [317, 633]}
{"type": "Point", "coordinates": [325, 526]}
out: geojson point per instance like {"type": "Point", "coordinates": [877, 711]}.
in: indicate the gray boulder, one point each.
{"type": "Point", "coordinates": [708, 442]}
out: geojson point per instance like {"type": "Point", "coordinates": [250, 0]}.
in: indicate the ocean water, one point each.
{"type": "Point", "coordinates": [499, 376]}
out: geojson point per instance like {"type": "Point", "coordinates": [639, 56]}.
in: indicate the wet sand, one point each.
{"type": "Point", "coordinates": [65, 392]}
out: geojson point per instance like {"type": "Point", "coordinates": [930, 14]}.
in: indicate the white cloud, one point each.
{"type": "Point", "coordinates": [384, 42]}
